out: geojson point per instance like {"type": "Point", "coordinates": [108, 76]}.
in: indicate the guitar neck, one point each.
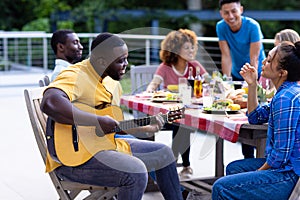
{"type": "Point", "coordinates": [134, 123]}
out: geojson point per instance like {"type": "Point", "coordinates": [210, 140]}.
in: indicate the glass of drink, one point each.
{"type": "Point", "coordinates": [185, 91]}
{"type": "Point", "coordinates": [207, 95]}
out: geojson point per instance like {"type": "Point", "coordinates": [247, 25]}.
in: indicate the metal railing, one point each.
{"type": "Point", "coordinates": [33, 49]}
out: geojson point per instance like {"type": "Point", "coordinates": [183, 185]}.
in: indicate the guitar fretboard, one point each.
{"type": "Point", "coordinates": [134, 123]}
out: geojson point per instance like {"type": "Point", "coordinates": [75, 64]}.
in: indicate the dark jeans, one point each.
{"type": "Point", "coordinates": [181, 142]}
{"type": "Point", "coordinates": [129, 172]}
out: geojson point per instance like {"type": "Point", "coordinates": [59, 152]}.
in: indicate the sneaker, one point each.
{"type": "Point", "coordinates": [186, 172]}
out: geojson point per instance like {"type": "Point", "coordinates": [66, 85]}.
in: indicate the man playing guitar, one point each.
{"type": "Point", "coordinates": [82, 122]}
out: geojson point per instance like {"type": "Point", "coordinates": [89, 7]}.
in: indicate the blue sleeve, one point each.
{"type": "Point", "coordinates": [282, 127]}
{"type": "Point", "coordinates": [220, 29]}
{"type": "Point", "coordinates": [260, 115]}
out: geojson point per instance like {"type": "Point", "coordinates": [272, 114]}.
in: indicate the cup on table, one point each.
{"type": "Point", "coordinates": [185, 91]}
{"type": "Point", "coordinates": [207, 95]}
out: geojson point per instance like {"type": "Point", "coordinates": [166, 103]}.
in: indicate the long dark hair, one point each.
{"type": "Point", "coordinates": [289, 59]}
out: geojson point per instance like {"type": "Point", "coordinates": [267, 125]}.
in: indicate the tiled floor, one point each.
{"type": "Point", "coordinates": [22, 175]}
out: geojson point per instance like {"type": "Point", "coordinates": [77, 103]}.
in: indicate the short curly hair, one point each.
{"type": "Point", "coordinates": [171, 45]}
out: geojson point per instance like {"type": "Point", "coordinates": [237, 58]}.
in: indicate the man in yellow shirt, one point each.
{"type": "Point", "coordinates": [104, 160]}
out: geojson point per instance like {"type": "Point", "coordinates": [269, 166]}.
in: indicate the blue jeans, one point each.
{"type": "Point", "coordinates": [244, 182]}
{"type": "Point", "coordinates": [129, 173]}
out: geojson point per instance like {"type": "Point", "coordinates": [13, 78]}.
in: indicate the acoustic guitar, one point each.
{"type": "Point", "coordinates": [74, 145]}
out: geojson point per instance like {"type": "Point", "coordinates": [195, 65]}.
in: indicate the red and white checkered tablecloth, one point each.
{"type": "Point", "coordinates": [226, 128]}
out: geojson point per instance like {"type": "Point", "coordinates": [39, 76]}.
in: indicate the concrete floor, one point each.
{"type": "Point", "coordinates": [22, 172]}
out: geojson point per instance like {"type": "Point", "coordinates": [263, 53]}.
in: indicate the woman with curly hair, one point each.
{"type": "Point", "coordinates": [178, 51]}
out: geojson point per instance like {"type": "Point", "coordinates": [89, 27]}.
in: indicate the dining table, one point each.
{"type": "Point", "coordinates": [231, 126]}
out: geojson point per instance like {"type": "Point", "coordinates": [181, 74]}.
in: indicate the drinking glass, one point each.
{"type": "Point", "coordinates": [207, 95]}
{"type": "Point", "coordinates": [185, 91]}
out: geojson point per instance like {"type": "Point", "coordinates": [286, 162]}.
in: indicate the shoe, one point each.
{"type": "Point", "coordinates": [186, 172]}
{"type": "Point", "coordinates": [194, 195]}
{"type": "Point", "coordinates": [185, 193]}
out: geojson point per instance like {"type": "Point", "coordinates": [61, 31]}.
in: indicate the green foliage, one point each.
{"type": "Point", "coordinates": [270, 28]}
{"type": "Point", "coordinates": [271, 5]}
{"type": "Point", "coordinates": [84, 15]}
{"type": "Point", "coordinates": [3, 63]}
{"type": "Point", "coordinates": [49, 6]}
{"type": "Point", "coordinates": [258, 5]}
{"type": "Point", "coordinates": [41, 24]}
{"type": "Point", "coordinates": [14, 14]}
{"type": "Point", "coordinates": [65, 25]}
{"type": "Point", "coordinates": [126, 84]}
{"type": "Point", "coordinates": [153, 4]}
{"type": "Point", "coordinates": [89, 15]}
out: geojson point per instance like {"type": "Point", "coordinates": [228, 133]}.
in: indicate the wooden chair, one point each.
{"type": "Point", "coordinates": [141, 76]}
{"type": "Point", "coordinates": [45, 81]}
{"type": "Point", "coordinates": [66, 190]}
{"type": "Point", "coordinates": [296, 192]}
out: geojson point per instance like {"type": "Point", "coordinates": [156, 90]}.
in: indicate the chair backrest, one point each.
{"type": "Point", "coordinates": [296, 192]}
{"type": "Point", "coordinates": [37, 117]}
{"type": "Point", "coordinates": [141, 76]}
{"type": "Point", "coordinates": [45, 81]}
{"type": "Point", "coordinates": [66, 190]}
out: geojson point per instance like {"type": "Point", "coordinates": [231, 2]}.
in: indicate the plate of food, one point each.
{"type": "Point", "coordinates": [144, 95]}
{"type": "Point", "coordinates": [223, 106]}
{"type": "Point", "coordinates": [239, 96]}
{"type": "Point", "coordinates": [165, 96]}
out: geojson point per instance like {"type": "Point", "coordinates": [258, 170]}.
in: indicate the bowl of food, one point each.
{"type": "Point", "coordinates": [239, 96]}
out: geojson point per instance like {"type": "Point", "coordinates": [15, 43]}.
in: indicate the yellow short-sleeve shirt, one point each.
{"type": "Point", "coordinates": [84, 86]}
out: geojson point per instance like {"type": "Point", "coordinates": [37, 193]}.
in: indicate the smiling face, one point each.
{"type": "Point", "coordinates": [116, 69]}
{"type": "Point", "coordinates": [231, 13]}
{"type": "Point", "coordinates": [72, 49]}
{"type": "Point", "coordinates": [187, 51]}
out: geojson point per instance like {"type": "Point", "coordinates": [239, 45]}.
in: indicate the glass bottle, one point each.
{"type": "Point", "coordinates": [191, 79]}
{"type": "Point", "coordinates": [198, 84]}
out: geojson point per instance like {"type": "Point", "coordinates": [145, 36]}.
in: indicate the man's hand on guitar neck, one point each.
{"type": "Point", "coordinates": [155, 126]}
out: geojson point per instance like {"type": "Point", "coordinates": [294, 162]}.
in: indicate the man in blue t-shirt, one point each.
{"type": "Point", "coordinates": [240, 42]}
{"type": "Point", "coordinates": [240, 39]}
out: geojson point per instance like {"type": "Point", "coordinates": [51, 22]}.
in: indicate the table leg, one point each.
{"type": "Point", "coordinates": [219, 158]}
{"type": "Point", "coordinates": [260, 147]}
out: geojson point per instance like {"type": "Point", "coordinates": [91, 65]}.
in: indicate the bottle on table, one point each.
{"type": "Point", "coordinates": [191, 79]}
{"type": "Point", "coordinates": [198, 84]}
